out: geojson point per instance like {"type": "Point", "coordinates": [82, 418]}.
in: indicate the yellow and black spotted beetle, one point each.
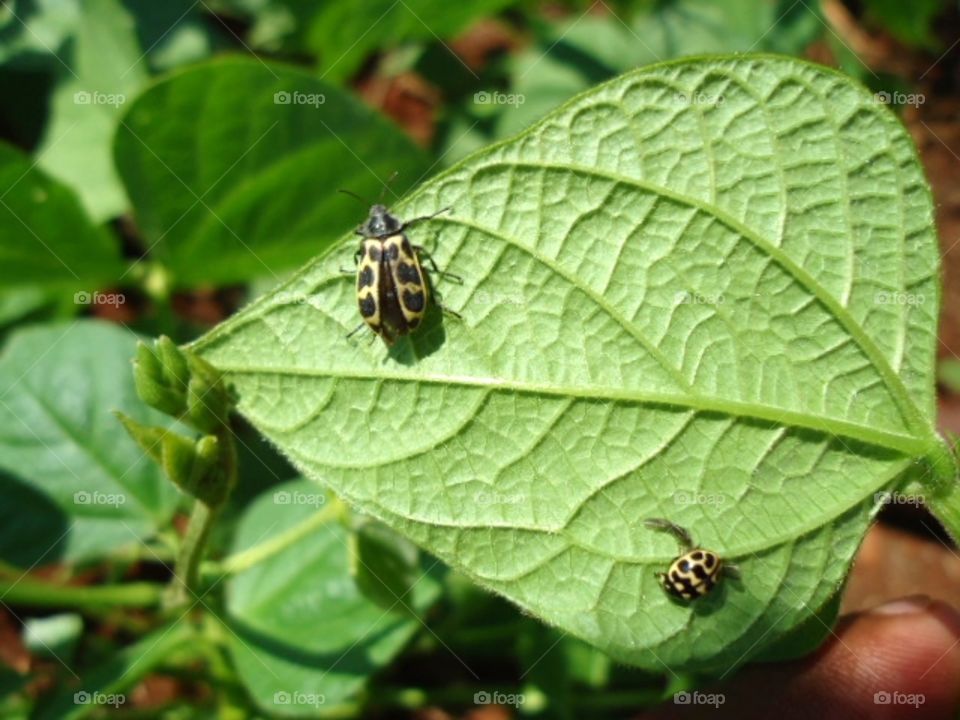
{"type": "Point", "coordinates": [696, 571]}
{"type": "Point", "coordinates": [393, 291]}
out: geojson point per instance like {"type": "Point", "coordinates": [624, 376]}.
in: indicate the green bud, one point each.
{"type": "Point", "coordinates": [210, 479]}
{"type": "Point", "coordinates": [148, 438]}
{"type": "Point", "coordinates": [178, 458]}
{"type": "Point", "coordinates": [152, 385]}
{"type": "Point", "coordinates": [196, 467]}
{"type": "Point", "coordinates": [173, 364]}
{"type": "Point", "coordinates": [180, 384]}
{"type": "Point", "coordinates": [208, 401]}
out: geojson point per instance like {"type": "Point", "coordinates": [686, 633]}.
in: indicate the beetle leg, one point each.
{"type": "Point", "coordinates": [425, 254]}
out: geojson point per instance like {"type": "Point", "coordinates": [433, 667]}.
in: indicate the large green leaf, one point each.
{"type": "Point", "coordinates": [705, 291]}
{"type": "Point", "coordinates": [571, 56]}
{"type": "Point", "coordinates": [230, 182]}
{"type": "Point", "coordinates": [46, 239]}
{"type": "Point", "coordinates": [910, 22]}
{"type": "Point", "coordinates": [343, 34]}
{"type": "Point", "coordinates": [97, 54]}
{"type": "Point", "coordinates": [304, 637]}
{"type": "Point", "coordinates": [103, 69]}
{"type": "Point", "coordinates": [64, 455]}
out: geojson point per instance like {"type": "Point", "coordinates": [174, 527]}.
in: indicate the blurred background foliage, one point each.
{"type": "Point", "coordinates": [161, 163]}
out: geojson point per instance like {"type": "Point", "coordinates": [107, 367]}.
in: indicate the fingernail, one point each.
{"type": "Point", "coordinates": [911, 605]}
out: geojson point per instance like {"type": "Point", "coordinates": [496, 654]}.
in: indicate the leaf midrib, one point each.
{"type": "Point", "coordinates": [79, 441]}
{"type": "Point", "coordinates": [904, 444]}
{"type": "Point", "coordinates": [731, 551]}
{"type": "Point", "coordinates": [908, 409]}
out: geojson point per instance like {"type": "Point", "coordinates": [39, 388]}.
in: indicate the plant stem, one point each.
{"type": "Point", "coordinates": [943, 498]}
{"type": "Point", "coordinates": [186, 571]}
{"type": "Point", "coordinates": [27, 591]}
{"type": "Point", "coordinates": [946, 508]}
{"type": "Point", "coordinates": [245, 559]}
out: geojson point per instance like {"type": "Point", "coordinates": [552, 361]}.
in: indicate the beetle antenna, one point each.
{"type": "Point", "coordinates": [414, 221]}
{"type": "Point", "coordinates": [364, 201]}
{"type": "Point", "coordinates": [383, 190]}
{"type": "Point", "coordinates": [678, 532]}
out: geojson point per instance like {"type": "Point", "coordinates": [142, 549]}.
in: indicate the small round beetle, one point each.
{"type": "Point", "coordinates": [696, 571]}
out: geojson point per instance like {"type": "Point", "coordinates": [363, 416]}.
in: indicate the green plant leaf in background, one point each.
{"type": "Point", "coordinates": [304, 637]}
{"type": "Point", "coordinates": [705, 291]}
{"type": "Point", "coordinates": [110, 681]}
{"type": "Point", "coordinates": [233, 167]}
{"type": "Point", "coordinates": [342, 35]}
{"type": "Point", "coordinates": [64, 455]}
{"type": "Point", "coordinates": [911, 22]}
{"type": "Point", "coordinates": [98, 55]}
{"type": "Point", "coordinates": [46, 238]}
{"type": "Point", "coordinates": [948, 372]}
{"type": "Point", "coordinates": [102, 71]}
{"type": "Point", "coordinates": [570, 57]}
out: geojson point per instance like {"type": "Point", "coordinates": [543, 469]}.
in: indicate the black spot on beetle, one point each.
{"type": "Point", "coordinates": [697, 555]}
{"type": "Point", "coordinates": [366, 277]}
{"type": "Point", "coordinates": [413, 300]}
{"type": "Point", "coordinates": [393, 252]}
{"type": "Point", "coordinates": [685, 565]}
{"type": "Point", "coordinates": [374, 252]}
{"type": "Point", "coordinates": [407, 273]}
{"type": "Point", "coordinates": [368, 306]}
{"type": "Point", "coordinates": [711, 559]}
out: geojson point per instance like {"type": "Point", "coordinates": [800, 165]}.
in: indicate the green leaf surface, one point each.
{"type": "Point", "coordinates": [35, 30]}
{"type": "Point", "coordinates": [342, 35]}
{"type": "Point", "coordinates": [65, 456]}
{"type": "Point", "coordinates": [303, 636]}
{"type": "Point", "coordinates": [105, 689]}
{"type": "Point", "coordinates": [53, 637]}
{"type": "Point", "coordinates": [233, 167]}
{"type": "Point", "coordinates": [571, 56]}
{"type": "Point", "coordinates": [96, 54]}
{"type": "Point", "coordinates": [719, 313]}
{"type": "Point", "coordinates": [910, 22]}
{"type": "Point", "coordinates": [102, 71]}
{"type": "Point", "coordinates": [46, 238]}
{"type": "Point", "coordinates": [384, 565]}
{"type": "Point", "coordinates": [948, 373]}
